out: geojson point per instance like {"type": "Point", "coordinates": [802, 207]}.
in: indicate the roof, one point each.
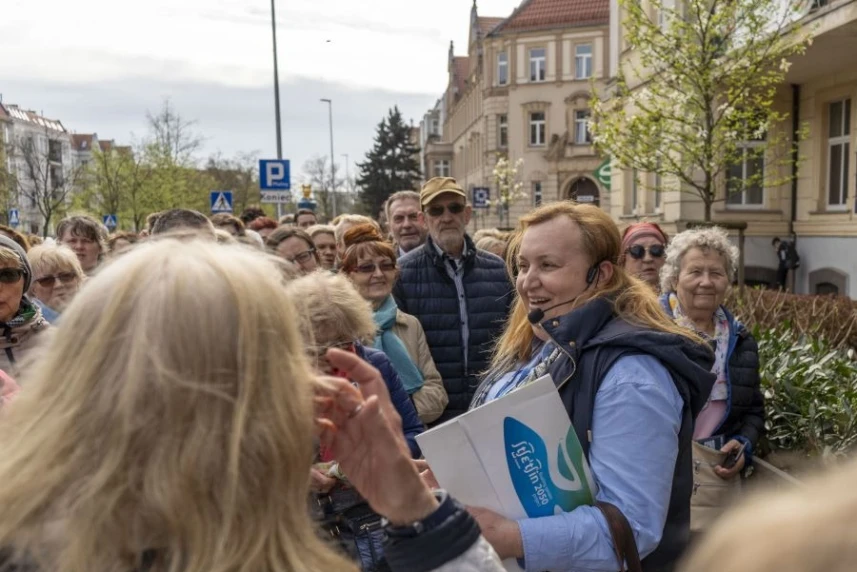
{"type": "Point", "coordinates": [460, 70]}
{"type": "Point", "coordinates": [105, 145]}
{"type": "Point", "coordinates": [487, 24]}
{"type": "Point", "coordinates": [16, 113]}
{"type": "Point", "coordinates": [540, 14]}
{"type": "Point", "coordinates": [82, 141]}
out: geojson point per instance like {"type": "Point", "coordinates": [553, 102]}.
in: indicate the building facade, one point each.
{"type": "Point", "coordinates": [38, 162]}
{"type": "Point", "coordinates": [522, 92]}
{"type": "Point", "coordinates": [818, 209]}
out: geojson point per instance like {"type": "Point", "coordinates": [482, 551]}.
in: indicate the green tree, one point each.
{"type": "Point", "coordinates": [112, 184]}
{"type": "Point", "coordinates": [695, 96]}
{"type": "Point", "coordinates": [238, 175]}
{"type": "Point", "coordinates": [391, 165]}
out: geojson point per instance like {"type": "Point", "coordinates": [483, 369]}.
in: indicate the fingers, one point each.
{"type": "Point", "coordinates": [358, 370]}
{"type": "Point", "coordinates": [421, 465]}
{"type": "Point", "coordinates": [429, 479]}
{"type": "Point", "coordinates": [730, 446]}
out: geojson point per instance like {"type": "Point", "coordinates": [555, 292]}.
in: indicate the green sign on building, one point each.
{"type": "Point", "coordinates": [603, 173]}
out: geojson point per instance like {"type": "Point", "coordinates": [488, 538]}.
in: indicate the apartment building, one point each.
{"type": "Point", "coordinates": [38, 159]}
{"type": "Point", "coordinates": [818, 208]}
{"type": "Point", "coordinates": [522, 91]}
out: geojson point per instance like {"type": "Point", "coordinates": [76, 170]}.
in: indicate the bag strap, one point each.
{"type": "Point", "coordinates": [624, 544]}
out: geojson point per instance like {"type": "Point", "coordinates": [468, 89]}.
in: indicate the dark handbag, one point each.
{"type": "Point", "coordinates": [623, 537]}
{"type": "Point", "coordinates": [353, 526]}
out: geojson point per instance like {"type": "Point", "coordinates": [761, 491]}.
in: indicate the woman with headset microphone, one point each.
{"type": "Point", "coordinates": [631, 382]}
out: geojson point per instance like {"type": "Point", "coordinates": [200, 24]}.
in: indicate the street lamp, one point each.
{"type": "Point", "coordinates": [332, 172]}
{"type": "Point", "coordinates": [277, 97]}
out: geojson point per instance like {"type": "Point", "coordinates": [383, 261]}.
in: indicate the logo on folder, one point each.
{"type": "Point", "coordinates": [546, 485]}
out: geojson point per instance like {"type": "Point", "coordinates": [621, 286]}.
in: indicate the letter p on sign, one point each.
{"type": "Point", "coordinates": [275, 174]}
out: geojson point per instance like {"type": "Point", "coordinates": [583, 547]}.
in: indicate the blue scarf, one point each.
{"type": "Point", "coordinates": [391, 344]}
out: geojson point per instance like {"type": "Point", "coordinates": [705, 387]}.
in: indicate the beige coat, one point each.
{"type": "Point", "coordinates": [15, 346]}
{"type": "Point", "coordinates": [431, 399]}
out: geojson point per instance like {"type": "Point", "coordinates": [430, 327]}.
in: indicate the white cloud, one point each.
{"type": "Point", "coordinates": [388, 44]}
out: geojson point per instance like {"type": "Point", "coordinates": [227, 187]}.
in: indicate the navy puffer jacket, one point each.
{"type": "Point", "coordinates": [411, 424]}
{"type": "Point", "coordinates": [426, 290]}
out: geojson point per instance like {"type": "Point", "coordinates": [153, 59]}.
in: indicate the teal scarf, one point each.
{"type": "Point", "coordinates": [391, 344]}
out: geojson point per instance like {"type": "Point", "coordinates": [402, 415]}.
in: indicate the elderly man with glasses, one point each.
{"type": "Point", "coordinates": [460, 295]}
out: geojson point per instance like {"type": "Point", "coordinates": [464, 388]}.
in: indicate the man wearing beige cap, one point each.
{"type": "Point", "coordinates": [461, 295]}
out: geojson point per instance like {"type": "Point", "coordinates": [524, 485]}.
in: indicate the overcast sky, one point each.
{"type": "Point", "coordinates": [99, 65]}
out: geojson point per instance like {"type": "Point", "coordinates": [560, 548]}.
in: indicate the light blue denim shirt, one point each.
{"type": "Point", "coordinates": [635, 427]}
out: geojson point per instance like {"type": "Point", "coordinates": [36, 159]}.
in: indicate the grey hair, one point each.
{"type": "Point", "coordinates": [714, 238]}
{"type": "Point", "coordinates": [399, 196]}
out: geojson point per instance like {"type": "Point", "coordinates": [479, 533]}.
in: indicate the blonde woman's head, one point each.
{"type": "Point", "coordinates": [57, 274]}
{"type": "Point", "coordinates": [333, 312]}
{"type": "Point", "coordinates": [181, 422]}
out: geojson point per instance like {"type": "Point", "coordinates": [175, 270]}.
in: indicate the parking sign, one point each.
{"type": "Point", "coordinates": [275, 175]}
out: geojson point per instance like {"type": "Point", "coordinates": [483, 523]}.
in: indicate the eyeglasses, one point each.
{"type": "Point", "coordinates": [302, 257]}
{"type": "Point", "coordinates": [369, 267]}
{"type": "Point", "coordinates": [437, 210]}
{"type": "Point", "coordinates": [638, 251]}
{"type": "Point", "coordinates": [49, 281]}
{"type": "Point", "coordinates": [10, 275]}
{"type": "Point", "coordinates": [345, 346]}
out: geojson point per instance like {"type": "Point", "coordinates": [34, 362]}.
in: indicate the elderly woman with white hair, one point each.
{"type": "Point", "coordinates": [699, 269]}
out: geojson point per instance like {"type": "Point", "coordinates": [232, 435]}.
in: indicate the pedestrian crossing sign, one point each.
{"type": "Point", "coordinates": [221, 202]}
{"type": "Point", "coordinates": [14, 218]}
{"type": "Point", "coordinates": [110, 221]}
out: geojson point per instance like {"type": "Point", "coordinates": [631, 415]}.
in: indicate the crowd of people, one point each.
{"type": "Point", "coordinates": [239, 393]}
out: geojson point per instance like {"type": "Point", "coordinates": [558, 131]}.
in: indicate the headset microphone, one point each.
{"type": "Point", "coordinates": [536, 316]}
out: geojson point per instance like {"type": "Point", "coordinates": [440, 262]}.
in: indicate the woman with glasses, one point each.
{"type": "Point", "coordinates": [57, 277]}
{"type": "Point", "coordinates": [21, 319]}
{"type": "Point", "coordinates": [296, 246]}
{"type": "Point", "coordinates": [370, 264]}
{"type": "Point", "coordinates": [643, 247]}
{"type": "Point", "coordinates": [336, 316]}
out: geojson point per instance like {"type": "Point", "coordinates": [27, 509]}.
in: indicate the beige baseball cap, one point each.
{"type": "Point", "coordinates": [437, 186]}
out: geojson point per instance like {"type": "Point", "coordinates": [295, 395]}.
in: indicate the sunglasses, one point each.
{"type": "Point", "coordinates": [302, 257]}
{"type": "Point", "coordinates": [10, 275]}
{"type": "Point", "coordinates": [437, 210]}
{"type": "Point", "coordinates": [369, 267]}
{"type": "Point", "coordinates": [49, 281]}
{"type": "Point", "coordinates": [638, 251]}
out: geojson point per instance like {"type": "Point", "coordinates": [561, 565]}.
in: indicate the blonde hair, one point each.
{"type": "Point", "coordinates": [321, 229]}
{"type": "Point", "coordinates": [351, 220]}
{"type": "Point", "coordinates": [802, 530]}
{"type": "Point", "coordinates": [9, 258]}
{"type": "Point", "coordinates": [330, 304]}
{"type": "Point", "coordinates": [47, 258]}
{"type": "Point", "coordinates": [633, 300]}
{"type": "Point", "coordinates": [167, 427]}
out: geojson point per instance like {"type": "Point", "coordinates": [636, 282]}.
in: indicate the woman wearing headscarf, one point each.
{"type": "Point", "coordinates": [643, 248]}
{"type": "Point", "coordinates": [21, 320]}
{"type": "Point", "coordinates": [370, 264]}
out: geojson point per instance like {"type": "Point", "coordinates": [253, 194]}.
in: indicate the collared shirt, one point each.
{"type": "Point", "coordinates": [635, 425]}
{"type": "Point", "coordinates": [455, 269]}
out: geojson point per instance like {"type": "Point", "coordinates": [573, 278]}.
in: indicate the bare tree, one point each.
{"type": "Point", "coordinates": [171, 137]}
{"type": "Point", "coordinates": [238, 175]}
{"type": "Point", "coordinates": [317, 174]}
{"type": "Point", "coordinates": [41, 179]}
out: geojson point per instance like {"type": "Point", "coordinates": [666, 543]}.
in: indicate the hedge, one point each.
{"type": "Point", "coordinates": [833, 318]}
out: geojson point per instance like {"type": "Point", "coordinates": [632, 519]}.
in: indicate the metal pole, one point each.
{"type": "Point", "coordinates": [277, 97]}
{"type": "Point", "coordinates": [332, 172]}
{"type": "Point", "coordinates": [347, 176]}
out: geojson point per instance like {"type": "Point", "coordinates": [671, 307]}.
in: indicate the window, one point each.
{"type": "Point", "coordinates": [502, 68]}
{"type": "Point", "coordinates": [583, 61]}
{"type": "Point", "coordinates": [435, 126]}
{"type": "Point", "coordinates": [744, 179]}
{"type": "Point", "coordinates": [537, 64]}
{"type": "Point", "coordinates": [581, 128]}
{"type": "Point", "coordinates": [838, 151]}
{"type": "Point", "coordinates": [441, 168]}
{"type": "Point", "coordinates": [537, 128]}
{"type": "Point", "coordinates": [537, 193]}
{"type": "Point", "coordinates": [502, 130]}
